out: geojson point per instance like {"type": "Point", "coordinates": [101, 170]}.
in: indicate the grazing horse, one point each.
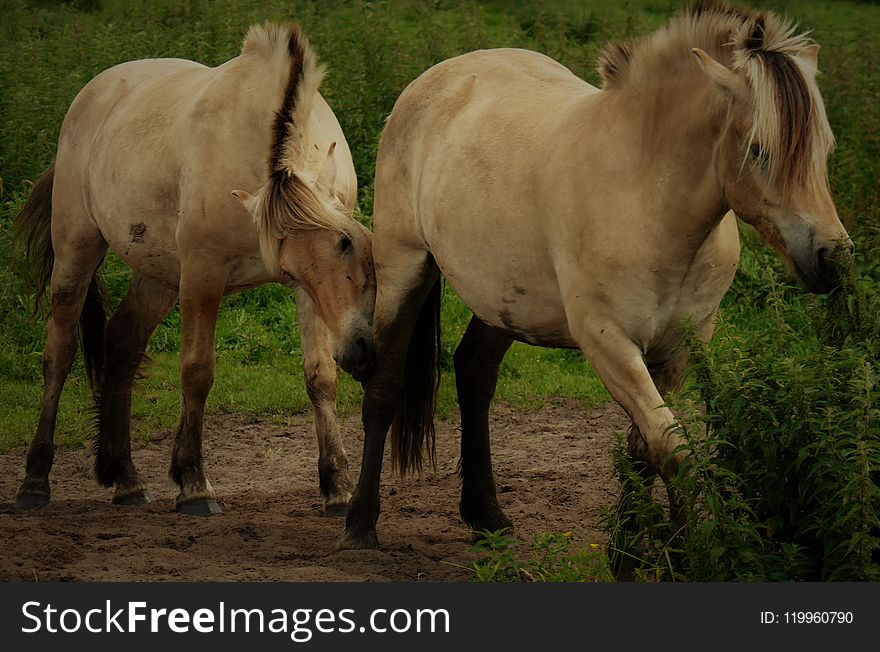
{"type": "Point", "coordinates": [568, 216]}
{"type": "Point", "coordinates": [205, 181]}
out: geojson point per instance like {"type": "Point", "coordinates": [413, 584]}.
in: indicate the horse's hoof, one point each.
{"type": "Point", "coordinates": [335, 508]}
{"type": "Point", "coordinates": [27, 502]}
{"type": "Point", "coordinates": [490, 519]}
{"type": "Point", "coordinates": [138, 497]}
{"type": "Point", "coordinates": [358, 541]}
{"type": "Point", "coordinates": [199, 507]}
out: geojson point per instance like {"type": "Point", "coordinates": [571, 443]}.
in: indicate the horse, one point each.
{"type": "Point", "coordinates": [204, 181]}
{"type": "Point", "coordinates": [569, 216]}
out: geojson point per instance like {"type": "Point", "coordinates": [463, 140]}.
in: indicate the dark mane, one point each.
{"type": "Point", "coordinates": [284, 115]}
{"type": "Point", "coordinates": [287, 202]}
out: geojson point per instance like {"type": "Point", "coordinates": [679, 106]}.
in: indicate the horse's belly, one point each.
{"type": "Point", "coordinates": [157, 258]}
{"type": "Point", "coordinates": [529, 312]}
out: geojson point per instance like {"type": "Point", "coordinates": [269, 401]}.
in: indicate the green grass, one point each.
{"type": "Point", "coordinates": [549, 558]}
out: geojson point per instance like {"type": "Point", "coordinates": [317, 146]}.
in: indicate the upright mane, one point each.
{"type": "Point", "coordinates": [287, 201]}
{"type": "Point", "coordinates": [790, 127]}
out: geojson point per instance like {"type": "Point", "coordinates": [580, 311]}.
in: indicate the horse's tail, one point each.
{"type": "Point", "coordinates": [91, 332]}
{"type": "Point", "coordinates": [33, 227]}
{"type": "Point", "coordinates": [413, 427]}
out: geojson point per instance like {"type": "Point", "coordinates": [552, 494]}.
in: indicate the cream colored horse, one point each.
{"type": "Point", "coordinates": [157, 159]}
{"type": "Point", "coordinates": [568, 216]}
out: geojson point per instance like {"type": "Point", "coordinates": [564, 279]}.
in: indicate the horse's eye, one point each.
{"type": "Point", "coordinates": [755, 151]}
{"type": "Point", "coordinates": [344, 244]}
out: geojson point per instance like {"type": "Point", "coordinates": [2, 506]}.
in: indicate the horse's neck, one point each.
{"type": "Point", "coordinates": [671, 133]}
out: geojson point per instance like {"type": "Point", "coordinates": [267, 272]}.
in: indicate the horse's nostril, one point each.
{"type": "Point", "coordinates": [823, 258]}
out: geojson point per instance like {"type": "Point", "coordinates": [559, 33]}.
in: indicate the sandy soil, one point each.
{"type": "Point", "coordinates": [552, 466]}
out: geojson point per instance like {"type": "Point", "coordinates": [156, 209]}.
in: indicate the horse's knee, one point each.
{"type": "Point", "coordinates": [197, 378]}
{"type": "Point", "coordinates": [382, 395]}
{"type": "Point", "coordinates": [320, 381]}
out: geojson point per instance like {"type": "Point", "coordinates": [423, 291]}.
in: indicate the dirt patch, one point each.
{"type": "Point", "coordinates": [552, 467]}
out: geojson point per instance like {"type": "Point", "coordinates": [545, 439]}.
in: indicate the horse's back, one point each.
{"type": "Point", "coordinates": [458, 92]}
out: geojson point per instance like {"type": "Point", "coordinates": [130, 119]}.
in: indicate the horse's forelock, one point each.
{"type": "Point", "coordinates": [299, 207]}
{"type": "Point", "coordinates": [789, 120]}
{"type": "Point", "coordinates": [287, 206]}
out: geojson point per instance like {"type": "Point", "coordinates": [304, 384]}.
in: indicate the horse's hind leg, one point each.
{"type": "Point", "coordinates": [320, 374]}
{"type": "Point", "coordinates": [477, 360]}
{"type": "Point", "coordinates": [125, 341]}
{"type": "Point", "coordinates": [403, 283]}
{"type": "Point", "coordinates": [200, 294]}
{"type": "Point", "coordinates": [71, 275]}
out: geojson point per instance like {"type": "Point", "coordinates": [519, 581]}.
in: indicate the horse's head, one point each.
{"type": "Point", "coordinates": [774, 147]}
{"type": "Point", "coordinates": [308, 238]}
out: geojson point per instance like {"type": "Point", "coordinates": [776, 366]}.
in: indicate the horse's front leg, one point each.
{"type": "Point", "coordinates": [319, 369]}
{"type": "Point", "coordinates": [618, 361]}
{"type": "Point", "coordinates": [201, 290]}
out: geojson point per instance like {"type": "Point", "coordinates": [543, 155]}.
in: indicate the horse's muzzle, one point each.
{"type": "Point", "coordinates": [359, 358]}
{"type": "Point", "coordinates": [823, 274]}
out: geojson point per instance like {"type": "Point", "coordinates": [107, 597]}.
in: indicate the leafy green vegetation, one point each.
{"type": "Point", "coordinates": [550, 558]}
{"type": "Point", "coordinates": [784, 483]}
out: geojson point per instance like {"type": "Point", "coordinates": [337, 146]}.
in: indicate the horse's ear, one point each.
{"type": "Point", "coordinates": [810, 54]}
{"type": "Point", "coordinates": [244, 197]}
{"type": "Point", "coordinates": [723, 77]}
{"type": "Point", "coordinates": [327, 175]}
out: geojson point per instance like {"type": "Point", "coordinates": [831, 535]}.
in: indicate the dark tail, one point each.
{"type": "Point", "coordinates": [91, 334]}
{"type": "Point", "coordinates": [413, 426]}
{"type": "Point", "coordinates": [32, 227]}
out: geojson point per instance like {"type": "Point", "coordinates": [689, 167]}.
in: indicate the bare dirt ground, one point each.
{"type": "Point", "coordinates": [553, 469]}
